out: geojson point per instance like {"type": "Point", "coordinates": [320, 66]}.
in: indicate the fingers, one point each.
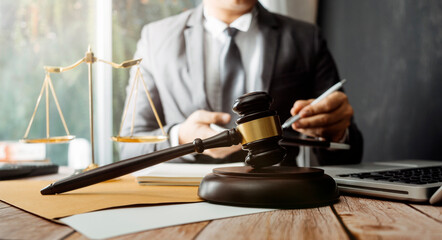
{"type": "Point", "coordinates": [197, 125]}
{"type": "Point", "coordinates": [328, 118]}
{"type": "Point", "coordinates": [300, 104]}
{"type": "Point", "coordinates": [222, 152]}
{"type": "Point", "coordinates": [328, 104]}
{"type": "Point", "coordinates": [206, 117]}
{"type": "Point", "coordinates": [343, 111]}
{"type": "Point", "coordinates": [189, 130]}
{"type": "Point", "coordinates": [332, 132]}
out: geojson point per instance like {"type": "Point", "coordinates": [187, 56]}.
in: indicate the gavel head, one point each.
{"type": "Point", "coordinates": [260, 129]}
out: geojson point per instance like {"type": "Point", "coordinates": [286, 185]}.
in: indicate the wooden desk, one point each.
{"type": "Point", "coordinates": [351, 218]}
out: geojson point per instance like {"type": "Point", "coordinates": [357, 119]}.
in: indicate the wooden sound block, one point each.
{"type": "Point", "coordinates": [273, 187]}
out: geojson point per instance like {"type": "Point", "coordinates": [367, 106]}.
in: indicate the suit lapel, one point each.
{"type": "Point", "coordinates": [194, 43]}
{"type": "Point", "coordinates": [269, 27]}
{"type": "Point", "coordinates": [193, 37]}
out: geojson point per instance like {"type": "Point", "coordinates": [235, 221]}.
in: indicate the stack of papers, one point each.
{"type": "Point", "coordinates": [178, 174]}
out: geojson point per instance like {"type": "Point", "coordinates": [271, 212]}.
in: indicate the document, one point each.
{"type": "Point", "coordinates": [124, 191]}
{"type": "Point", "coordinates": [115, 222]}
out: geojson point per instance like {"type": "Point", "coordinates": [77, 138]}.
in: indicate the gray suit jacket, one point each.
{"type": "Point", "coordinates": [297, 65]}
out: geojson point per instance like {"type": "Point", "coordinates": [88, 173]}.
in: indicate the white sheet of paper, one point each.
{"type": "Point", "coordinates": [116, 222]}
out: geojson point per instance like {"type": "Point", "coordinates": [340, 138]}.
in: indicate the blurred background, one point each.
{"type": "Point", "coordinates": [36, 33]}
{"type": "Point", "coordinates": [390, 52]}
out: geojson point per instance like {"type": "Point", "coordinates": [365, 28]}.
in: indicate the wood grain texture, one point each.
{"type": "Point", "coordinates": [351, 218]}
{"type": "Point", "coordinates": [314, 223]}
{"type": "Point", "coordinates": [182, 232]}
{"type": "Point", "coordinates": [17, 224]}
{"type": "Point", "coordinates": [376, 219]}
{"type": "Point", "coordinates": [434, 212]}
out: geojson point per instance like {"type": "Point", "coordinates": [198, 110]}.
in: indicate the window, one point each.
{"type": "Point", "coordinates": [57, 33]}
{"type": "Point", "coordinates": [34, 34]}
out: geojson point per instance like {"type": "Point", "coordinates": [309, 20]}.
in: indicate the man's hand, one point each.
{"type": "Point", "coordinates": [197, 125]}
{"type": "Point", "coordinates": [328, 118]}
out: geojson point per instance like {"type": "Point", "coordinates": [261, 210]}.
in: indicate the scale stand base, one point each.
{"type": "Point", "coordinates": [90, 167]}
{"type": "Point", "coordinates": [272, 187]}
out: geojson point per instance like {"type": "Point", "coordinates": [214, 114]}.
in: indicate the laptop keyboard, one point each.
{"type": "Point", "coordinates": [410, 175]}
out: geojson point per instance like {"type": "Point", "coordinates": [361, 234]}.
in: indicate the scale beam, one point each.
{"type": "Point", "coordinates": [48, 89]}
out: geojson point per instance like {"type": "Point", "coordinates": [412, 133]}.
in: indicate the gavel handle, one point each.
{"type": "Point", "coordinates": [117, 169]}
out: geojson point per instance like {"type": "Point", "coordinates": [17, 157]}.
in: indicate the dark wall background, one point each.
{"type": "Point", "coordinates": [391, 54]}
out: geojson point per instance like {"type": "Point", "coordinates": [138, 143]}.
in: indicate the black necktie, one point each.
{"type": "Point", "coordinates": [232, 74]}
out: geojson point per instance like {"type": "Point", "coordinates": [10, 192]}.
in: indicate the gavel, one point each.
{"type": "Point", "coordinates": [260, 184]}
{"type": "Point", "coordinates": [258, 130]}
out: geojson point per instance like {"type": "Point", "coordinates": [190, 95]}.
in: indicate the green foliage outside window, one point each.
{"type": "Point", "coordinates": [35, 33]}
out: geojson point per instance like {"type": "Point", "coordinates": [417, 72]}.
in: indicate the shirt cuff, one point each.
{"type": "Point", "coordinates": [173, 135]}
{"type": "Point", "coordinates": [345, 137]}
{"type": "Point", "coordinates": [174, 141]}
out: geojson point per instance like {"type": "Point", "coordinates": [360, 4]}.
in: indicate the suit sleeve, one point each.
{"type": "Point", "coordinates": [144, 121]}
{"type": "Point", "coordinates": [325, 76]}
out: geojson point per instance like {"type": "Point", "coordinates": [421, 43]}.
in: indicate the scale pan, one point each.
{"type": "Point", "coordinates": [58, 139]}
{"type": "Point", "coordinates": [140, 139]}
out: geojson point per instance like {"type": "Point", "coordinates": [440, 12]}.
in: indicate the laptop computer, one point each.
{"type": "Point", "coordinates": [409, 180]}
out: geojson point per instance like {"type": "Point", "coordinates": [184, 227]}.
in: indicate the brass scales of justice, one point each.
{"type": "Point", "coordinates": [90, 59]}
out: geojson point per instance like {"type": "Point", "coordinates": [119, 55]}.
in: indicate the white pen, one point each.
{"type": "Point", "coordinates": [295, 118]}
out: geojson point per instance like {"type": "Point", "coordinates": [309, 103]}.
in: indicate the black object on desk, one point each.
{"type": "Point", "coordinates": [21, 170]}
{"type": "Point", "coordinates": [273, 187]}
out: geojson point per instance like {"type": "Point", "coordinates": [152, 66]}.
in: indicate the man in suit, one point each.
{"type": "Point", "coordinates": [183, 69]}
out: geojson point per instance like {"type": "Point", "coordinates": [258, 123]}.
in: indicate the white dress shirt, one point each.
{"type": "Point", "coordinates": [249, 41]}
